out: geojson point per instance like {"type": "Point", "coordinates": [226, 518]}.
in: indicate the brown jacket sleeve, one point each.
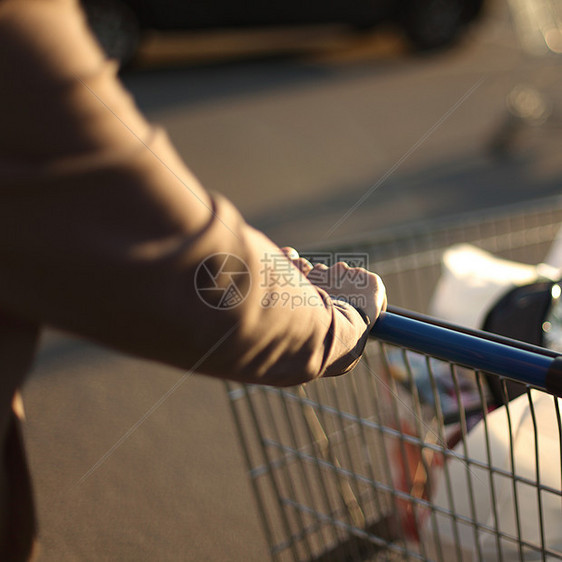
{"type": "Point", "coordinates": [103, 230]}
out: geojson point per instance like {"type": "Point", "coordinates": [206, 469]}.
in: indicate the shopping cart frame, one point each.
{"type": "Point", "coordinates": [306, 443]}
{"type": "Point", "coordinates": [476, 349]}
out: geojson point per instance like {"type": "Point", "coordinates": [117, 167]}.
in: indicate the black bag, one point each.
{"type": "Point", "coordinates": [519, 314]}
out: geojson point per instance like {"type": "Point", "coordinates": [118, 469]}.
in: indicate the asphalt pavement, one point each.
{"type": "Point", "coordinates": [317, 138]}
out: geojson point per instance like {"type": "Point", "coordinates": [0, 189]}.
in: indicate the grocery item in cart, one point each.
{"type": "Point", "coordinates": [521, 439]}
{"type": "Point", "coordinates": [473, 281]}
{"type": "Point", "coordinates": [429, 372]}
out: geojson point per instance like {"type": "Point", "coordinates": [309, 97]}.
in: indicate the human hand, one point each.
{"type": "Point", "coordinates": [359, 287]}
{"type": "Point", "coordinates": [302, 264]}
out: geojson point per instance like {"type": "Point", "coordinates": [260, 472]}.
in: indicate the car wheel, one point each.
{"type": "Point", "coordinates": [116, 28]}
{"type": "Point", "coordinates": [431, 24]}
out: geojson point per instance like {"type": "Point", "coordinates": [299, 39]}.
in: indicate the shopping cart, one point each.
{"type": "Point", "coordinates": [408, 458]}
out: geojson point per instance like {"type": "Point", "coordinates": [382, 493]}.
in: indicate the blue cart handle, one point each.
{"type": "Point", "coordinates": [474, 349]}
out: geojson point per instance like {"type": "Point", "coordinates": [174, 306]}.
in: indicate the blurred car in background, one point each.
{"type": "Point", "coordinates": [429, 24]}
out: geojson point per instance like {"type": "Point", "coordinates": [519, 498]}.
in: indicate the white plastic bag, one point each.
{"type": "Point", "coordinates": [473, 280]}
{"type": "Point", "coordinates": [462, 476]}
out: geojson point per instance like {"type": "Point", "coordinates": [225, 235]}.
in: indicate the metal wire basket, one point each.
{"type": "Point", "coordinates": [409, 457]}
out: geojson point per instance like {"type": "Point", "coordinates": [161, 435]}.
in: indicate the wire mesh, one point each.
{"type": "Point", "coordinates": [410, 458]}
{"type": "Point", "coordinates": [409, 258]}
